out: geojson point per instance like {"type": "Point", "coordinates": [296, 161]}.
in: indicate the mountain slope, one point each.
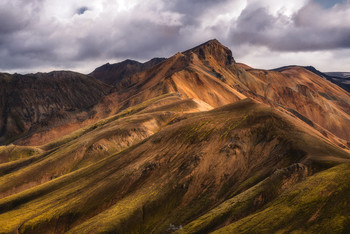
{"type": "Point", "coordinates": [339, 78]}
{"type": "Point", "coordinates": [37, 101]}
{"type": "Point", "coordinates": [209, 73]}
{"type": "Point", "coordinates": [296, 88]}
{"type": "Point", "coordinates": [92, 143]}
{"type": "Point", "coordinates": [194, 144]}
{"type": "Point", "coordinates": [195, 162]}
{"type": "Point", "coordinates": [317, 204]}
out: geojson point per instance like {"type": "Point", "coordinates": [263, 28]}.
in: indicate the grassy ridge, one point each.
{"type": "Point", "coordinates": [320, 204]}
{"type": "Point", "coordinates": [195, 171]}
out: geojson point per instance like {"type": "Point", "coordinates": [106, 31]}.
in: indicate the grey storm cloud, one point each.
{"type": "Point", "coordinates": [309, 29]}
{"type": "Point", "coordinates": [192, 10]}
{"type": "Point", "coordinates": [62, 34]}
{"type": "Point", "coordinates": [81, 10]}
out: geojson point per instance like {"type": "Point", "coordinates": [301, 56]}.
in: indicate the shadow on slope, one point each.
{"type": "Point", "coordinates": [189, 167]}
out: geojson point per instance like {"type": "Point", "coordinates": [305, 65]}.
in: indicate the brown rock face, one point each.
{"type": "Point", "coordinates": [43, 100]}
{"type": "Point", "coordinates": [209, 73]}
{"type": "Point", "coordinates": [213, 49]}
{"type": "Point", "coordinates": [112, 74]}
{"type": "Point", "coordinates": [301, 90]}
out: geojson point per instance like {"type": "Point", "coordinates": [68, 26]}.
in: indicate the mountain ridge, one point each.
{"type": "Point", "coordinates": [195, 143]}
{"type": "Point", "coordinates": [112, 74]}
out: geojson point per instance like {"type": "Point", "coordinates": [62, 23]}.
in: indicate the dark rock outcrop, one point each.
{"type": "Point", "coordinates": [112, 74]}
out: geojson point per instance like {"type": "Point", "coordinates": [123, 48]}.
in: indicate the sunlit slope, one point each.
{"type": "Point", "coordinates": [210, 74]}
{"type": "Point", "coordinates": [91, 144]}
{"type": "Point", "coordinates": [190, 165]}
{"type": "Point", "coordinates": [303, 91]}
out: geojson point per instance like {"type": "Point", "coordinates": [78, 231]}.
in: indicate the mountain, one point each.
{"type": "Point", "coordinates": [197, 143]}
{"type": "Point", "coordinates": [338, 78]}
{"type": "Point", "coordinates": [39, 101]}
{"type": "Point", "coordinates": [190, 170]}
{"type": "Point", "coordinates": [342, 75]}
{"type": "Point", "coordinates": [209, 73]}
{"type": "Point", "coordinates": [112, 74]}
{"type": "Point", "coordinates": [341, 78]}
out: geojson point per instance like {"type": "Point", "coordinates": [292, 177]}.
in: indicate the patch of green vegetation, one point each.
{"type": "Point", "coordinates": [199, 131]}
{"type": "Point", "coordinates": [48, 202]}
{"type": "Point", "coordinates": [251, 181]}
{"type": "Point", "coordinates": [320, 204]}
{"type": "Point", "coordinates": [116, 217]}
{"type": "Point", "coordinates": [238, 206]}
{"type": "Point", "coordinates": [13, 152]}
{"type": "Point", "coordinates": [232, 126]}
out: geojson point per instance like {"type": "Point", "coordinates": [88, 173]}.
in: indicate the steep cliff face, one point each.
{"type": "Point", "coordinates": [44, 100]}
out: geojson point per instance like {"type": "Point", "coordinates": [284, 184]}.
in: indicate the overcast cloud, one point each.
{"type": "Point", "coordinates": [44, 35]}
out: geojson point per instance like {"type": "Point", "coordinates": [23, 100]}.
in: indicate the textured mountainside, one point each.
{"type": "Point", "coordinates": [112, 74]}
{"type": "Point", "coordinates": [303, 92]}
{"type": "Point", "coordinates": [37, 101]}
{"type": "Point", "coordinates": [339, 78]}
{"type": "Point", "coordinates": [194, 144]}
{"type": "Point", "coordinates": [209, 73]}
{"type": "Point", "coordinates": [197, 171]}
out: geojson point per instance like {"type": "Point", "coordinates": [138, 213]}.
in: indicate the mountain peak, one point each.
{"type": "Point", "coordinates": [213, 48]}
{"type": "Point", "coordinates": [213, 41]}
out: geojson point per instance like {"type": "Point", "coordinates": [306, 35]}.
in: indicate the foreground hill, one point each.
{"type": "Point", "coordinates": [193, 172]}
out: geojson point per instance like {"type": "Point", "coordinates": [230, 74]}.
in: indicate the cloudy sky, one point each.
{"type": "Point", "coordinates": [44, 35]}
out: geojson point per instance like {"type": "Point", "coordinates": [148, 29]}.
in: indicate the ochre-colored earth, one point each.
{"type": "Point", "coordinates": [195, 143]}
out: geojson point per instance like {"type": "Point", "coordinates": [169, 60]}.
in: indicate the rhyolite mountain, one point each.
{"type": "Point", "coordinates": [35, 102]}
{"type": "Point", "coordinates": [112, 74]}
{"type": "Point", "coordinates": [342, 79]}
{"type": "Point", "coordinates": [196, 143]}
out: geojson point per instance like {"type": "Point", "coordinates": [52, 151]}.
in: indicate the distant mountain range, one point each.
{"type": "Point", "coordinates": [340, 75]}
{"type": "Point", "coordinates": [195, 143]}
